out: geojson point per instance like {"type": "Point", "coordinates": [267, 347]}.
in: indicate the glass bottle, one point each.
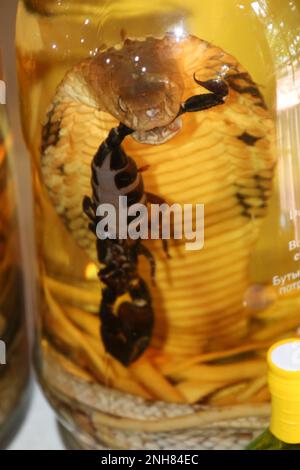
{"type": "Point", "coordinates": [201, 380]}
{"type": "Point", "coordinates": [284, 382]}
{"type": "Point", "coordinates": [14, 360]}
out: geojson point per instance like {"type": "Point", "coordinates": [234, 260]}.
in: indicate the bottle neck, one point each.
{"type": "Point", "coordinates": [285, 420]}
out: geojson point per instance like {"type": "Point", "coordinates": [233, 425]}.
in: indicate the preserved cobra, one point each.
{"type": "Point", "coordinates": [222, 158]}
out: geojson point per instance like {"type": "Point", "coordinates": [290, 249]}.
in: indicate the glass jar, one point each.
{"type": "Point", "coordinates": [209, 91]}
{"type": "Point", "coordinates": [14, 360]}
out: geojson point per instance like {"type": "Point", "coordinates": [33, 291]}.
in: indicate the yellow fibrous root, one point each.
{"type": "Point", "coordinates": [224, 377]}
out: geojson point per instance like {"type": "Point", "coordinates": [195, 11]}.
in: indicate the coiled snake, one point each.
{"type": "Point", "coordinates": [222, 157]}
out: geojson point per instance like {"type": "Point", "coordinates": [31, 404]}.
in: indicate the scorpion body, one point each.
{"type": "Point", "coordinates": [126, 326]}
{"type": "Point", "coordinates": [126, 329]}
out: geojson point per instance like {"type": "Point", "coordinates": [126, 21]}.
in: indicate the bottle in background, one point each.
{"type": "Point", "coordinates": [284, 383]}
{"type": "Point", "coordinates": [14, 363]}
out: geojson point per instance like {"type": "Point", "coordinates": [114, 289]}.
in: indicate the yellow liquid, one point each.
{"type": "Point", "coordinates": [264, 38]}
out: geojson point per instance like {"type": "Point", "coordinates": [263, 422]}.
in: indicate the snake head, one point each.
{"type": "Point", "coordinates": [148, 100]}
{"type": "Point", "coordinates": [149, 103]}
{"type": "Point", "coordinates": [140, 85]}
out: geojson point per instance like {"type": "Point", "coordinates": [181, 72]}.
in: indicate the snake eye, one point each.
{"type": "Point", "coordinates": [122, 105]}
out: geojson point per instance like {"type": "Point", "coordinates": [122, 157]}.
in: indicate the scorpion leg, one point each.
{"type": "Point", "coordinates": [144, 168]}
{"type": "Point", "coordinates": [123, 34]}
{"type": "Point", "coordinates": [89, 209]}
{"type": "Point", "coordinates": [155, 199]}
{"type": "Point", "coordinates": [142, 250]}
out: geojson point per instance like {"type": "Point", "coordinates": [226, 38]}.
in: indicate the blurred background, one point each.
{"type": "Point", "coordinates": [8, 10]}
{"type": "Point", "coordinates": [39, 430]}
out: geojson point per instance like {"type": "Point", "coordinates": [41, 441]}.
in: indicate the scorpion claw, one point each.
{"type": "Point", "coordinates": [166, 248]}
{"type": "Point", "coordinates": [217, 86]}
{"type": "Point", "coordinates": [201, 102]}
{"type": "Point", "coordinates": [219, 90]}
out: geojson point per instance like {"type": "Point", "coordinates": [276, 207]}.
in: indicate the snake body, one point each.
{"type": "Point", "coordinates": [222, 158]}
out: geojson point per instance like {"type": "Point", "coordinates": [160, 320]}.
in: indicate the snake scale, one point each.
{"type": "Point", "coordinates": [222, 157]}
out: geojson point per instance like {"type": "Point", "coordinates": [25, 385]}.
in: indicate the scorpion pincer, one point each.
{"type": "Point", "coordinates": [126, 311]}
